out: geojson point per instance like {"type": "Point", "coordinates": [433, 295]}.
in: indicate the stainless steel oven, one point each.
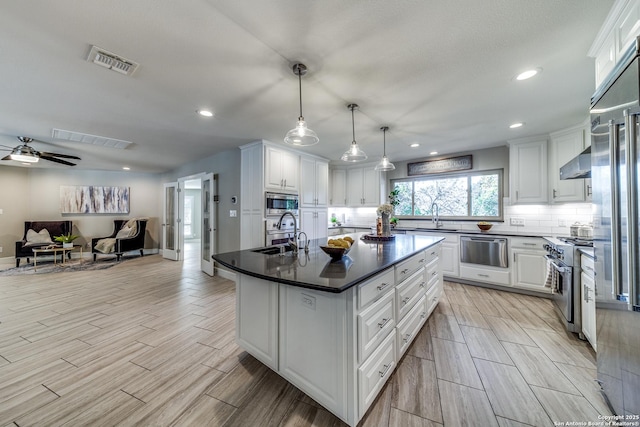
{"type": "Point", "coordinates": [561, 281]}
{"type": "Point", "coordinates": [279, 236]}
{"type": "Point", "coordinates": [279, 203]}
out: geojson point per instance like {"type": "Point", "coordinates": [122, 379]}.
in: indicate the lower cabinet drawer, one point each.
{"type": "Point", "coordinates": [499, 276]}
{"type": "Point", "coordinates": [407, 267]}
{"type": "Point", "coordinates": [375, 372]}
{"type": "Point", "coordinates": [433, 297]}
{"type": "Point", "coordinates": [431, 273]}
{"type": "Point", "coordinates": [374, 324]}
{"type": "Point", "coordinates": [375, 287]}
{"type": "Point", "coordinates": [409, 292]}
{"type": "Point", "coordinates": [410, 326]}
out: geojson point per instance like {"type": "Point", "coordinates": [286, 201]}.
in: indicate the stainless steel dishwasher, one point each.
{"type": "Point", "coordinates": [490, 251]}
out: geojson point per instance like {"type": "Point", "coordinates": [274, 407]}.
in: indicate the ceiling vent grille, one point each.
{"type": "Point", "coordinates": [112, 61]}
{"type": "Point", "coordinates": [85, 138]}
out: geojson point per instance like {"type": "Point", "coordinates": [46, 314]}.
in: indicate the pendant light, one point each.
{"type": "Point", "coordinates": [301, 135]}
{"type": "Point", "coordinates": [385, 164]}
{"type": "Point", "coordinates": [354, 153]}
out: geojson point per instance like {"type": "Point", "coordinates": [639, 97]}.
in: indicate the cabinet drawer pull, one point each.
{"type": "Point", "coordinates": [421, 260]}
{"type": "Point", "coordinates": [406, 338]}
{"type": "Point", "coordinates": [382, 286]}
{"type": "Point", "coordinates": [386, 369]}
{"type": "Point", "coordinates": [435, 273]}
{"type": "Point", "coordinates": [424, 314]}
{"type": "Point", "coordinates": [384, 322]}
{"type": "Point", "coordinates": [404, 271]}
{"type": "Point", "coordinates": [422, 285]}
{"type": "Point", "coordinates": [529, 244]}
{"type": "Point", "coordinates": [433, 253]}
{"type": "Point", "coordinates": [406, 300]}
{"type": "Point", "coordinates": [483, 275]}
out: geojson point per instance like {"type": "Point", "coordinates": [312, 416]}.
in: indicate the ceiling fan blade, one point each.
{"type": "Point", "coordinates": [53, 159]}
{"type": "Point", "coordinates": [64, 156]}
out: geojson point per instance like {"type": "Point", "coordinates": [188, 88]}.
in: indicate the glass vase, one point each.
{"type": "Point", "coordinates": [386, 225]}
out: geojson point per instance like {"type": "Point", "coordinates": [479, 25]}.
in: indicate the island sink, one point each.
{"type": "Point", "coordinates": [272, 250]}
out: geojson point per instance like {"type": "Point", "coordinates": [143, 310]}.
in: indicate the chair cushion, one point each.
{"type": "Point", "coordinates": [38, 239]}
{"type": "Point", "coordinates": [125, 232]}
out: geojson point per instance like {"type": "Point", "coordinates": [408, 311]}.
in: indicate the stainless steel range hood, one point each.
{"type": "Point", "coordinates": [579, 167]}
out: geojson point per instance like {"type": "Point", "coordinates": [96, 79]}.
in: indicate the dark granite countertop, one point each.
{"type": "Point", "coordinates": [445, 231]}
{"type": "Point", "coordinates": [315, 270]}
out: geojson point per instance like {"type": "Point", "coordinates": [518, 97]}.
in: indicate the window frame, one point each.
{"type": "Point", "coordinates": [467, 174]}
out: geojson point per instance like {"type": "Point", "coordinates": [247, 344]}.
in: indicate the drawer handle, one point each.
{"type": "Point", "coordinates": [433, 253]}
{"type": "Point", "coordinates": [483, 275]}
{"type": "Point", "coordinates": [405, 301]}
{"type": "Point", "coordinates": [422, 285]}
{"type": "Point", "coordinates": [384, 322]}
{"type": "Point", "coordinates": [530, 244]}
{"type": "Point", "coordinates": [435, 273]}
{"type": "Point", "coordinates": [424, 314]}
{"type": "Point", "coordinates": [406, 338]}
{"type": "Point", "coordinates": [421, 260]}
{"type": "Point", "coordinates": [404, 271]}
{"type": "Point", "coordinates": [382, 286]}
{"type": "Point", "coordinates": [386, 369]}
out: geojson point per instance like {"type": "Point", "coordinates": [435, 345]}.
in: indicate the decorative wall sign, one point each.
{"type": "Point", "coordinates": [439, 166]}
{"type": "Point", "coordinates": [93, 199]}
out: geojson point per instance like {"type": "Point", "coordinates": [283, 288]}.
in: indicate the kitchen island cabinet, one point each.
{"type": "Point", "coordinates": [529, 265]}
{"type": "Point", "coordinates": [336, 330]}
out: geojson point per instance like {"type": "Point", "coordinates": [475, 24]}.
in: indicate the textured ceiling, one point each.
{"type": "Point", "coordinates": [439, 73]}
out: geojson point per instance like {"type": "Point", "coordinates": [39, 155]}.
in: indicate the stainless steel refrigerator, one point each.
{"type": "Point", "coordinates": [615, 118]}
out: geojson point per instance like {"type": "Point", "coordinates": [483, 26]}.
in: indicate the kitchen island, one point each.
{"type": "Point", "coordinates": [336, 330]}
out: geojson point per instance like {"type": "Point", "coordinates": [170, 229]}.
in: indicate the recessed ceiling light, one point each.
{"type": "Point", "coordinates": [516, 125]}
{"type": "Point", "coordinates": [528, 74]}
{"type": "Point", "coordinates": [126, 168]}
{"type": "Point", "coordinates": [414, 145]}
{"type": "Point", "coordinates": [433, 153]}
{"type": "Point", "coordinates": [205, 113]}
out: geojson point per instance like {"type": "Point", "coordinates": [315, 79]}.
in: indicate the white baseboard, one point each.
{"type": "Point", "coordinates": [226, 274]}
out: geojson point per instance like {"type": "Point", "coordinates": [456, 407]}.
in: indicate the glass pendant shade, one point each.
{"type": "Point", "coordinates": [385, 164]}
{"type": "Point", "coordinates": [301, 135]}
{"type": "Point", "coordinates": [354, 153]}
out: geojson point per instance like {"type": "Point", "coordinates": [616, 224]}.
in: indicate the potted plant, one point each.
{"type": "Point", "coordinates": [66, 240]}
{"type": "Point", "coordinates": [394, 222]}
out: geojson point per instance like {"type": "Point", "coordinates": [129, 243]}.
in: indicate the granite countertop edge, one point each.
{"type": "Point", "coordinates": [451, 231]}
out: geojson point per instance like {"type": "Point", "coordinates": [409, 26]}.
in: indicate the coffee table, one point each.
{"type": "Point", "coordinates": [53, 250]}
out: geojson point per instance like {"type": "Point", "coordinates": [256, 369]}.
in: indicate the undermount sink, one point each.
{"type": "Point", "coordinates": [271, 250]}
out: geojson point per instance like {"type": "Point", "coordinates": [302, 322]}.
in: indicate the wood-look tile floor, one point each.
{"type": "Point", "coordinates": [151, 342]}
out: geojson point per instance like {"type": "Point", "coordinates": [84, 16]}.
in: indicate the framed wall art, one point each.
{"type": "Point", "coordinates": [94, 199]}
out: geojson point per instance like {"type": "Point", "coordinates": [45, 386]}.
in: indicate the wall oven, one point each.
{"type": "Point", "coordinates": [279, 203]}
{"type": "Point", "coordinates": [279, 236]}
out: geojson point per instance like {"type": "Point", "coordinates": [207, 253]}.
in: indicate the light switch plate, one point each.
{"type": "Point", "coordinates": [517, 221]}
{"type": "Point", "coordinates": [233, 213]}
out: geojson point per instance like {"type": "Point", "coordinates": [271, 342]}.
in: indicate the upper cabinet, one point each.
{"type": "Point", "coordinates": [564, 146]}
{"type": "Point", "coordinates": [363, 186]}
{"type": "Point", "coordinates": [281, 169]}
{"type": "Point", "coordinates": [338, 188]}
{"type": "Point", "coordinates": [314, 181]}
{"type": "Point", "coordinates": [528, 170]}
{"type": "Point", "coordinates": [618, 32]}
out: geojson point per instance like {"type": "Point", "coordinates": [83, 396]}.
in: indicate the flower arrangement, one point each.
{"type": "Point", "coordinates": [385, 209]}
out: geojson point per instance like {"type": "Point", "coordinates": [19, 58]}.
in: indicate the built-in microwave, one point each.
{"type": "Point", "coordinates": [278, 203]}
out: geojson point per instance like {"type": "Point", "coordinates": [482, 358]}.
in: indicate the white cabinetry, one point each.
{"type": "Point", "coordinates": [281, 169]}
{"type": "Point", "coordinates": [529, 265]}
{"type": "Point", "coordinates": [252, 233]}
{"type": "Point", "coordinates": [615, 37]}
{"type": "Point", "coordinates": [528, 170]}
{"type": "Point", "coordinates": [363, 187]}
{"type": "Point", "coordinates": [564, 146]}
{"type": "Point", "coordinates": [450, 252]}
{"type": "Point", "coordinates": [338, 188]}
{"type": "Point", "coordinates": [314, 181]}
{"type": "Point", "coordinates": [314, 222]}
{"type": "Point", "coordinates": [588, 301]}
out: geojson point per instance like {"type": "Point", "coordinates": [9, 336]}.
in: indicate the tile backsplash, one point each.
{"type": "Point", "coordinates": [543, 220]}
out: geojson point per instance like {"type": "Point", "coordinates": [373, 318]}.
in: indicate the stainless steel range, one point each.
{"type": "Point", "coordinates": [563, 261]}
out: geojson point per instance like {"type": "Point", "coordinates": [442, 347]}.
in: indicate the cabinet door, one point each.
{"type": "Point", "coordinates": [272, 168]}
{"type": "Point", "coordinates": [307, 182]}
{"type": "Point", "coordinates": [338, 187]}
{"type": "Point", "coordinates": [588, 308]}
{"type": "Point", "coordinates": [322, 183]}
{"type": "Point", "coordinates": [308, 222]}
{"type": "Point", "coordinates": [450, 259]}
{"type": "Point", "coordinates": [370, 187]}
{"type": "Point", "coordinates": [355, 180]}
{"type": "Point", "coordinates": [322, 224]}
{"type": "Point", "coordinates": [564, 147]}
{"type": "Point", "coordinates": [290, 170]}
{"type": "Point", "coordinates": [529, 269]}
{"type": "Point", "coordinates": [528, 172]}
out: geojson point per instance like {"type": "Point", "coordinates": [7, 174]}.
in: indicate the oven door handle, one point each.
{"type": "Point", "coordinates": [556, 266]}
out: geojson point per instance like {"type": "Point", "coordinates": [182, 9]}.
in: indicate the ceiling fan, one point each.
{"type": "Point", "coordinates": [28, 154]}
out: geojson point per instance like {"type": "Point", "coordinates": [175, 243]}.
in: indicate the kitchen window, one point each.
{"type": "Point", "coordinates": [459, 196]}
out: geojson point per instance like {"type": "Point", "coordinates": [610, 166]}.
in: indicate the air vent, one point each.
{"type": "Point", "coordinates": [85, 138]}
{"type": "Point", "coordinates": [112, 61]}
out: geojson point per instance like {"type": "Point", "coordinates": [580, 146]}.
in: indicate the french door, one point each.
{"type": "Point", "coordinates": [209, 221]}
{"type": "Point", "coordinates": [171, 222]}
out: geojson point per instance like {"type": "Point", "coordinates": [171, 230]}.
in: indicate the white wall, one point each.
{"type": "Point", "coordinates": [34, 194]}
